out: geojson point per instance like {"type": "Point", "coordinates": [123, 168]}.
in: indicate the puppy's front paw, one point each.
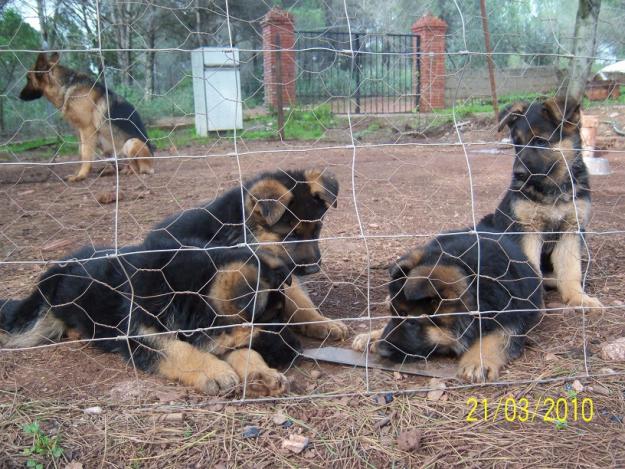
{"type": "Point", "coordinates": [219, 380]}
{"type": "Point", "coordinates": [361, 340]}
{"type": "Point", "coordinates": [472, 369]}
{"type": "Point", "coordinates": [335, 330]}
{"type": "Point", "coordinates": [76, 177]}
{"type": "Point", "coordinates": [584, 301]}
{"type": "Point", "coordinates": [268, 382]}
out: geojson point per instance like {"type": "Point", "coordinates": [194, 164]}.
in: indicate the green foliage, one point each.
{"type": "Point", "coordinates": [42, 447]}
{"type": "Point", "coordinates": [176, 102]}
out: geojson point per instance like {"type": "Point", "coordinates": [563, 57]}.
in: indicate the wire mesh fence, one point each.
{"type": "Point", "coordinates": [390, 239]}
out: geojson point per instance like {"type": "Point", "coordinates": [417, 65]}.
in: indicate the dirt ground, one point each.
{"type": "Point", "coordinates": [394, 195]}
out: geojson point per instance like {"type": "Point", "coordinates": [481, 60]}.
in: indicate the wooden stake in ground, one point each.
{"type": "Point", "coordinates": [489, 58]}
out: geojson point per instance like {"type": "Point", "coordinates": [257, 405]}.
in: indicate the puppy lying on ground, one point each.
{"type": "Point", "coordinates": [434, 297]}
{"type": "Point", "coordinates": [181, 310]}
{"type": "Point", "coordinates": [284, 209]}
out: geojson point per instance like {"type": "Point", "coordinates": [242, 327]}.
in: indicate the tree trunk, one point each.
{"type": "Point", "coordinates": [149, 64]}
{"type": "Point", "coordinates": [584, 49]}
{"type": "Point", "coordinates": [121, 18]}
{"type": "Point", "coordinates": [2, 115]}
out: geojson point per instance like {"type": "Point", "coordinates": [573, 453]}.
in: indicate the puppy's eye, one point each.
{"type": "Point", "coordinates": [540, 142]}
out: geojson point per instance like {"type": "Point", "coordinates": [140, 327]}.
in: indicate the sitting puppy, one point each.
{"type": "Point", "coordinates": [101, 118]}
{"type": "Point", "coordinates": [476, 301]}
{"type": "Point", "coordinates": [283, 209]}
{"type": "Point", "coordinates": [548, 203]}
{"type": "Point", "coordinates": [177, 312]}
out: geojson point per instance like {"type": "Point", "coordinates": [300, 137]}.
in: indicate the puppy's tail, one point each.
{"type": "Point", "coordinates": [28, 322]}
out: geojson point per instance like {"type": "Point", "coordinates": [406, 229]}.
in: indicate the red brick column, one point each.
{"type": "Point", "coordinates": [279, 24]}
{"type": "Point", "coordinates": [431, 31]}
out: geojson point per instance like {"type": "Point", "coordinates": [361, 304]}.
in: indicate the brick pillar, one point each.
{"type": "Point", "coordinates": [431, 31]}
{"type": "Point", "coordinates": [279, 24]}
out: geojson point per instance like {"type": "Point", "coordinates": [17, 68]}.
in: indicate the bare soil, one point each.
{"type": "Point", "coordinates": [394, 195]}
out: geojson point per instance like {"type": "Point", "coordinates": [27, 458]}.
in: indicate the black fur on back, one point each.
{"type": "Point", "coordinates": [164, 291]}
{"type": "Point", "coordinates": [122, 114]}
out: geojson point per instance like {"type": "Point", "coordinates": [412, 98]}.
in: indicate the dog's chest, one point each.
{"type": "Point", "coordinates": [570, 215]}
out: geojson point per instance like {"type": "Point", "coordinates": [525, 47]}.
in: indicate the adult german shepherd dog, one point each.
{"type": "Point", "coordinates": [281, 211]}
{"type": "Point", "coordinates": [548, 203]}
{"type": "Point", "coordinates": [434, 294]}
{"type": "Point", "coordinates": [180, 312]}
{"type": "Point", "coordinates": [102, 118]}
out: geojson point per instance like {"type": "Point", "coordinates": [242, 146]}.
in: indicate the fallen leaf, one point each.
{"type": "Point", "coordinates": [93, 410]}
{"type": "Point", "coordinates": [437, 389]}
{"type": "Point", "coordinates": [296, 443]}
{"type": "Point", "coordinates": [251, 431]}
{"type": "Point", "coordinates": [279, 418]}
{"type": "Point", "coordinates": [614, 350]}
{"type": "Point", "coordinates": [109, 197]}
{"type": "Point", "coordinates": [382, 422]}
{"type": "Point", "coordinates": [73, 465]}
{"type": "Point", "coordinates": [577, 386]}
{"type": "Point", "coordinates": [57, 244]}
{"type": "Point", "coordinates": [409, 440]}
{"type": "Point", "coordinates": [598, 389]}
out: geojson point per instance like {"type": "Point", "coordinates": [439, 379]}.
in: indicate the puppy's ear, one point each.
{"type": "Point", "coordinates": [323, 185]}
{"type": "Point", "coordinates": [509, 114]}
{"type": "Point", "coordinates": [562, 109]}
{"type": "Point", "coordinates": [234, 295]}
{"type": "Point", "coordinates": [419, 288]}
{"type": "Point", "coordinates": [54, 59]}
{"type": "Point", "coordinates": [268, 199]}
{"type": "Point", "coordinates": [42, 64]}
{"type": "Point", "coordinates": [403, 266]}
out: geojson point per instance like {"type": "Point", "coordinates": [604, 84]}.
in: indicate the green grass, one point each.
{"type": "Point", "coordinates": [299, 124]}
{"type": "Point", "coordinates": [43, 448]}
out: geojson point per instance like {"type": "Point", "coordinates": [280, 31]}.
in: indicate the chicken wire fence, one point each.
{"type": "Point", "coordinates": [403, 180]}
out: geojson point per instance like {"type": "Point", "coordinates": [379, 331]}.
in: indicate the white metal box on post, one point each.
{"type": "Point", "coordinates": [216, 89]}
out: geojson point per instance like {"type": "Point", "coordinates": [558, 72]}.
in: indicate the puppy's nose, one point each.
{"type": "Point", "coordinates": [307, 269]}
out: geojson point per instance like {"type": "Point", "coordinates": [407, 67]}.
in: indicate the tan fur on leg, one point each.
{"type": "Point", "coordinates": [361, 340]}
{"type": "Point", "coordinates": [532, 246]}
{"type": "Point", "coordinates": [485, 358]}
{"type": "Point", "coordinates": [567, 267]}
{"type": "Point", "coordinates": [140, 156]}
{"type": "Point", "coordinates": [299, 308]}
{"type": "Point", "coordinates": [88, 143]}
{"type": "Point", "coordinates": [193, 367]}
{"type": "Point", "coordinates": [261, 379]}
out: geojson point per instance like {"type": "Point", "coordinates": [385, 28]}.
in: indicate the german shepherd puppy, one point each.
{"type": "Point", "coordinates": [434, 298]}
{"type": "Point", "coordinates": [175, 312]}
{"type": "Point", "coordinates": [284, 209]}
{"type": "Point", "coordinates": [102, 118]}
{"type": "Point", "coordinates": [548, 202]}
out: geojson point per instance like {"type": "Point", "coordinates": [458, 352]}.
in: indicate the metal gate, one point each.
{"type": "Point", "coordinates": [382, 76]}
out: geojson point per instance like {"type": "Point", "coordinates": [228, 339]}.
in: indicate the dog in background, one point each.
{"type": "Point", "coordinates": [547, 206]}
{"type": "Point", "coordinates": [284, 209]}
{"type": "Point", "coordinates": [102, 118]}
{"type": "Point", "coordinates": [181, 310]}
{"type": "Point", "coordinates": [434, 297]}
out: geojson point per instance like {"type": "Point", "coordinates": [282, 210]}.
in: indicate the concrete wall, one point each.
{"type": "Point", "coordinates": [465, 84]}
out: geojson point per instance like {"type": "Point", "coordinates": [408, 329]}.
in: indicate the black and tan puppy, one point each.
{"type": "Point", "coordinates": [281, 210]}
{"type": "Point", "coordinates": [101, 118]}
{"type": "Point", "coordinates": [434, 294]}
{"type": "Point", "coordinates": [548, 202]}
{"type": "Point", "coordinates": [180, 312]}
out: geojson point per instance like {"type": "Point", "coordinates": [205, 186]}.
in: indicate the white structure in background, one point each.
{"type": "Point", "coordinates": [216, 89]}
